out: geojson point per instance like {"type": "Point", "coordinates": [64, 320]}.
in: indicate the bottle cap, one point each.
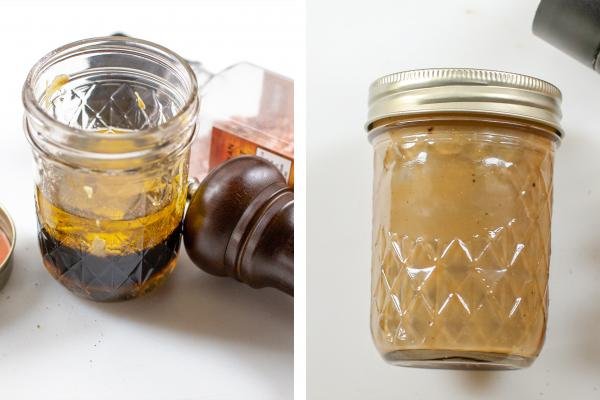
{"type": "Point", "coordinates": [573, 26]}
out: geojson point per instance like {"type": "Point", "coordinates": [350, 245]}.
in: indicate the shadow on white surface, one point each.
{"type": "Point", "coordinates": [576, 261]}
{"type": "Point", "coordinates": [190, 302]}
{"type": "Point", "coordinates": [479, 382]}
{"type": "Point", "coordinates": [195, 303]}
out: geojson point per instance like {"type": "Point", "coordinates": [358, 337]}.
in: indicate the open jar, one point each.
{"type": "Point", "coordinates": [461, 216]}
{"type": "Point", "coordinates": [110, 122]}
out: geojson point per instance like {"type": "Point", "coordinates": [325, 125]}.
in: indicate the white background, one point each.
{"type": "Point", "coordinates": [350, 43]}
{"type": "Point", "coordinates": [198, 337]}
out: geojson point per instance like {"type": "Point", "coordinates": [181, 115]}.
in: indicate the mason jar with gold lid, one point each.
{"type": "Point", "coordinates": [462, 208]}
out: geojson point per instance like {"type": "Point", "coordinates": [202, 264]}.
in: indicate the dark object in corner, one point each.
{"type": "Point", "coordinates": [573, 26]}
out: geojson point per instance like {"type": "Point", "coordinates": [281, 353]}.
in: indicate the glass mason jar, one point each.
{"type": "Point", "coordinates": [110, 122]}
{"type": "Point", "coordinates": [461, 216]}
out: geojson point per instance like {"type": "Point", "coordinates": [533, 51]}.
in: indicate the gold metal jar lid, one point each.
{"type": "Point", "coordinates": [461, 90]}
{"type": "Point", "coordinates": [7, 227]}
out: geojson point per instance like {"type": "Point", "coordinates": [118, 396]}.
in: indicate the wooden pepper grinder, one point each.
{"type": "Point", "coordinates": [240, 223]}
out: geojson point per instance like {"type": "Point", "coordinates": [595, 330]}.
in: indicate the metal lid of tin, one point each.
{"type": "Point", "coordinates": [465, 90]}
{"type": "Point", "coordinates": [8, 228]}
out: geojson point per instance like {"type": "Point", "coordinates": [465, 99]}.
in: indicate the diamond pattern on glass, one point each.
{"type": "Point", "coordinates": [126, 106]}
{"type": "Point", "coordinates": [461, 243]}
{"type": "Point", "coordinates": [110, 277]}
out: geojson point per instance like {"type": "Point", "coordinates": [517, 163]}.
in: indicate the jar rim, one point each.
{"type": "Point", "coordinates": [148, 136]}
{"type": "Point", "coordinates": [434, 120]}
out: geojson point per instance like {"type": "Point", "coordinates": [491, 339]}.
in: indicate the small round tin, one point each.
{"type": "Point", "coordinates": [8, 228]}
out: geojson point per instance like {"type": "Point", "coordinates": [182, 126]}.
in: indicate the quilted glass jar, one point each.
{"type": "Point", "coordinates": [461, 216]}
{"type": "Point", "coordinates": [110, 122]}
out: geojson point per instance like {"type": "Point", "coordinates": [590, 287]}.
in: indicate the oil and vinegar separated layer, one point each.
{"type": "Point", "coordinates": [112, 237]}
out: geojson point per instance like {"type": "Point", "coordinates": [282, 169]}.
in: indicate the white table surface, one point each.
{"type": "Point", "coordinates": [198, 337]}
{"type": "Point", "coordinates": [349, 45]}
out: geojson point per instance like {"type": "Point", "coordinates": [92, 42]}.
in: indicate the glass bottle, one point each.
{"type": "Point", "coordinates": [246, 110]}
{"type": "Point", "coordinates": [110, 122]}
{"type": "Point", "coordinates": [461, 216]}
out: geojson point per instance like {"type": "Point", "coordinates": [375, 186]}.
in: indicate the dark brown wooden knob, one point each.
{"type": "Point", "coordinates": [240, 223]}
